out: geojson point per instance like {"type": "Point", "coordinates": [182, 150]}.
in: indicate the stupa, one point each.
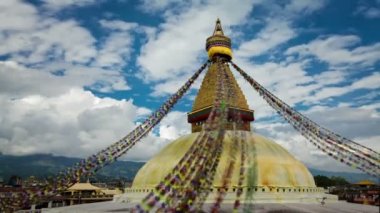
{"type": "Point", "coordinates": [277, 175]}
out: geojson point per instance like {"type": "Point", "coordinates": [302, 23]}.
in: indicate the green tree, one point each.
{"type": "Point", "coordinates": [322, 181]}
{"type": "Point", "coordinates": [339, 181]}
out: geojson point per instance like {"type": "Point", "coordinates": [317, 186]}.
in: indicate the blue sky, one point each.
{"type": "Point", "coordinates": [77, 75]}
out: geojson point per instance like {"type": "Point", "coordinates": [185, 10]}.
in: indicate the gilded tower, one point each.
{"type": "Point", "coordinates": [219, 45]}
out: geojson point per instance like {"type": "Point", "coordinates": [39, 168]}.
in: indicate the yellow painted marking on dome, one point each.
{"type": "Point", "coordinates": [219, 50]}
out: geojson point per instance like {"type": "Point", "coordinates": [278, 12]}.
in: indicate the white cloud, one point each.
{"type": "Point", "coordinates": [372, 13]}
{"type": "Point", "coordinates": [50, 40]}
{"type": "Point", "coordinates": [62, 4]}
{"type": "Point", "coordinates": [15, 15]}
{"type": "Point", "coordinates": [368, 82]}
{"type": "Point", "coordinates": [293, 84]}
{"type": "Point", "coordinates": [43, 113]}
{"type": "Point", "coordinates": [43, 38]}
{"type": "Point", "coordinates": [17, 81]}
{"type": "Point", "coordinates": [276, 32]}
{"type": "Point", "coordinates": [339, 50]}
{"type": "Point", "coordinates": [170, 127]}
{"type": "Point", "coordinates": [75, 124]}
{"type": "Point", "coordinates": [46, 42]}
{"type": "Point", "coordinates": [297, 7]}
{"type": "Point", "coordinates": [172, 85]}
{"type": "Point", "coordinates": [146, 148]}
{"type": "Point", "coordinates": [76, 46]}
{"type": "Point", "coordinates": [167, 87]}
{"type": "Point", "coordinates": [118, 25]}
{"type": "Point", "coordinates": [368, 10]}
{"type": "Point", "coordinates": [280, 79]}
{"type": "Point", "coordinates": [372, 142]}
{"type": "Point", "coordinates": [159, 5]}
{"type": "Point", "coordinates": [278, 26]}
{"type": "Point", "coordinates": [331, 77]}
{"type": "Point", "coordinates": [54, 46]}
{"type": "Point", "coordinates": [349, 121]}
{"type": "Point", "coordinates": [115, 50]}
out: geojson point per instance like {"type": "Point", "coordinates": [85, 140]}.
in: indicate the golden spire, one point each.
{"type": "Point", "coordinates": [219, 45]}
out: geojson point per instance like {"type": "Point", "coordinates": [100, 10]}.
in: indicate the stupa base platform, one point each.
{"type": "Point", "coordinates": [257, 197]}
{"type": "Point", "coordinates": [333, 207]}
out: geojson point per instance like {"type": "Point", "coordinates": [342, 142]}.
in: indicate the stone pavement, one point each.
{"type": "Point", "coordinates": [337, 207]}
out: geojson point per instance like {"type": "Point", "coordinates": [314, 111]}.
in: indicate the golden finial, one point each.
{"type": "Point", "coordinates": [218, 28]}
{"type": "Point", "coordinates": [218, 43]}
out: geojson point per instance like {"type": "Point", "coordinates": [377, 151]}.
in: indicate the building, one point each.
{"type": "Point", "coordinates": [365, 184]}
{"type": "Point", "coordinates": [80, 193]}
{"type": "Point", "coordinates": [363, 192]}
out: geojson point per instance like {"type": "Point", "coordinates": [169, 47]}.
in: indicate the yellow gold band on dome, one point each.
{"type": "Point", "coordinates": [219, 50]}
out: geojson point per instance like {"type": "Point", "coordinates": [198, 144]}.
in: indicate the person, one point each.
{"type": "Point", "coordinates": [323, 200]}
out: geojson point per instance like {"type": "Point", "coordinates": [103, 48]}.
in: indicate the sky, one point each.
{"type": "Point", "coordinates": [77, 75]}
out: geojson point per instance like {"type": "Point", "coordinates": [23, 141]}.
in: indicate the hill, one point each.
{"type": "Point", "coordinates": [349, 176]}
{"type": "Point", "coordinates": [44, 165]}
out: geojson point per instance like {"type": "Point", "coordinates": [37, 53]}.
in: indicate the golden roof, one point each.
{"type": "Point", "coordinates": [365, 182]}
{"type": "Point", "coordinates": [275, 167]}
{"type": "Point", "coordinates": [83, 187]}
